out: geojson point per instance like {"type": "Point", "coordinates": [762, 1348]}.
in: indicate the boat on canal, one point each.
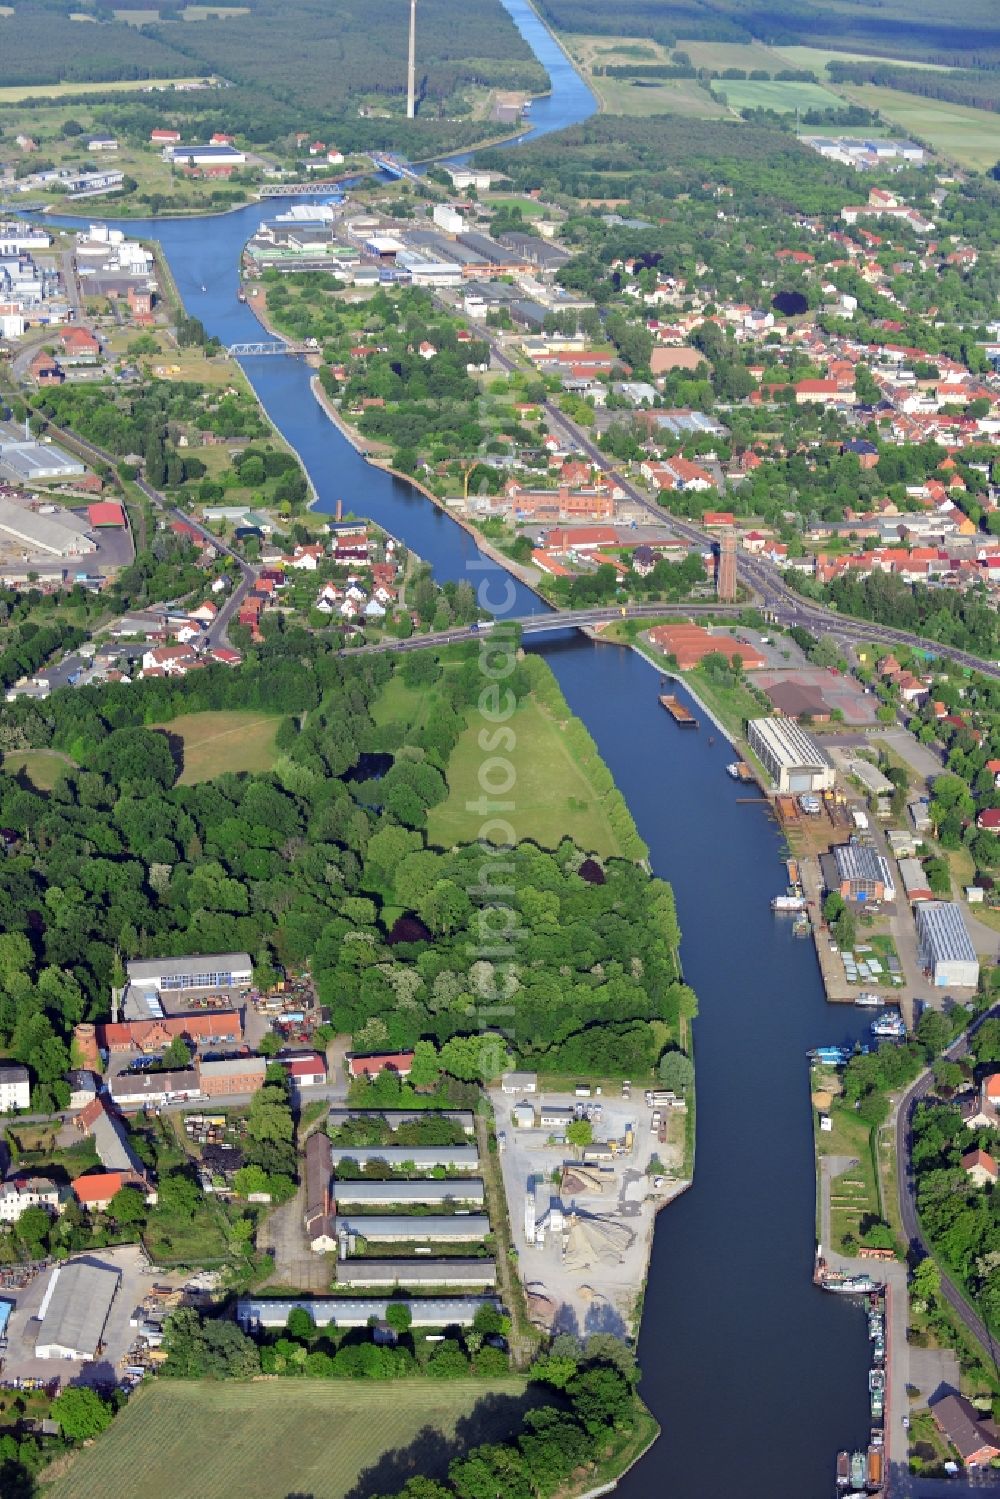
{"type": "Point", "coordinates": [677, 711]}
{"type": "Point", "coordinates": [840, 1281]}
{"type": "Point", "coordinates": [831, 1056]}
{"type": "Point", "coordinates": [843, 1469]}
{"type": "Point", "coordinates": [859, 1470]}
{"type": "Point", "coordinates": [739, 770]}
{"type": "Point", "coordinates": [788, 903]}
{"type": "Point", "coordinates": [876, 1390]}
{"type": "Point", "coordinates": [866, 1000]}
{"type": "Point", "coordinates": [889, 1025]}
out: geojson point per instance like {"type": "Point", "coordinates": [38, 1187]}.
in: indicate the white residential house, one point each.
{"type": "Point", "coordinates": [15, 1088]}
{"type": "Point", "coordinates": [25, 1192]}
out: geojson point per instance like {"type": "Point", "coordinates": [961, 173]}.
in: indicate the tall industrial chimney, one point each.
{"type": "Point", "coordinates": [411, 71]}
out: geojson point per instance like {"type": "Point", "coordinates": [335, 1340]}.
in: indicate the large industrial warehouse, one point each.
{"type": "Point", "coordinates": [791, 757]}
{"type": "Point", "coordinates": [75, 1309]}
{"type": "Point", "coordinates": [451, 1157]}
{"type": "Point", "coordinates": [366, 1273]}
{"type": "Point", "coordinates": [428, 1193]}
{"type": "Point", "coordinates": [326, 1311]}
{"type": "Point", "coordinates": [944, 946]}
{"type": "Point", "coordinates": [415, 1228]}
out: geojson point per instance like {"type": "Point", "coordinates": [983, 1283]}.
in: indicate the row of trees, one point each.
{"type": "Point", "coordinates": [590, 1410]}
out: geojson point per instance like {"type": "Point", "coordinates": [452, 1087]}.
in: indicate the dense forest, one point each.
{"type": "Point", "coordinates": [615, 157]}
{"type": "Point", "coordinates": [310, 865]}
{"type": "Point", "coordinates": [965, 35]}
{"type": "Point", "coordinates": [38, 48]}
{"type": "Point", "coordinates": [307, 65]}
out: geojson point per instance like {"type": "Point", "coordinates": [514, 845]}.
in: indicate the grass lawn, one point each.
{"type": "Point", "coordinates": [186, 1440]}
{"type": "Point", "coordinates": [229, 740]}
{"type": "Point", "coordinates": [853, 1194]}
{"type": "Point", "coordinates": [733, 705]}
{"type": "Point", "coordinates": [785, 97]}
{"type": "Point", "coordinates": [552, 794]}
{"type": "Point", "coordinates": [969, 136]}
{"type": "Point", "coordinates": [398, 703]}
{"type": "Point", "coordinates": [42, 767]}
{"type": "Point", "coordinates": [203, 1240]}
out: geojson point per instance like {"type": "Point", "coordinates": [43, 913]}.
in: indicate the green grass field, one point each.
{"type": "Point", "coordinates": [180, 1440]}
{"type": "Point", "coordinates": [552, 795]}
{"type": "Point", "coordinates": [41, 767]}
{"type": "Point", "coordinates": [216, 742]}
{"type": "Point", "coordinates": [970, 137]}
{"type": "Point", "coordinates": [785, 98]}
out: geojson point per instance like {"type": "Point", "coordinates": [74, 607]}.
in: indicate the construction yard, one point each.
{"type": "Point", "coordinates": [582, 1221]}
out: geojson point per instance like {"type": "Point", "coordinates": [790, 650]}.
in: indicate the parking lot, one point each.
{"type": "Point", "coordinates": [586, 1274]}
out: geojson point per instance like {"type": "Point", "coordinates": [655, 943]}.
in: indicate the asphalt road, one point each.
{"type": "Point", "coordinates": [907, 1188]}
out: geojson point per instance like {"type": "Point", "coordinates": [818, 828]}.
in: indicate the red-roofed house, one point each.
{"type": "Point", "coordinates": [96, 1190]}
{"type": "Point", "coordinates": [216, 1027]}
{"type": "Point", "coordinates": [989, 820]}
{"type": "Point", "coordinates": [79, 344]}
{"type": "Point", "coordinates": [993, 766]}
{"type": "Point", "coordinates": [823, 391]}
{"type": "Point", "coordinates": [161, 137]}
{"type": "Point", "coordinates": [45, 370]}
{"type": "Point", "coordinates": [383, 1061]}
{"type": "Point", "coordinates": [581, 538]}
{"type": "Point", "coordinates": [980, 1167]}
{"type": "Point", "coordinates": [306, 1071]}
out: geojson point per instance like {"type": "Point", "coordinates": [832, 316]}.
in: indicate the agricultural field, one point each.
{"type": "Point", "coordinates": [41, 767]}
{"type": "Point", "coordinates": [283, 1437]}
{"type": "Point", "coordinates": [784, 97]}
{"type": "Point", "coordinates": [746, 55]}
{"type": "Point", "coordinates": [541, 759]}
{"type": "Point", "coordinates": [213, 12]}
{"type": "Point", "coordinates": [657, 96]}
{"type": "Point", "coordinates": [14, 93]}
{"type": "Point", "coordinates": [817, 59]}
{"type": "Point", "coordinates": [639, 97]}
{"type": "Point", "coordinates": [971, 137]}
{"type": "Point", "coordinates": [213, 743]}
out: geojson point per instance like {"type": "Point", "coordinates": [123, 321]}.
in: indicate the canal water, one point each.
{"type": "Point", "coordinates": [757, 1377]}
